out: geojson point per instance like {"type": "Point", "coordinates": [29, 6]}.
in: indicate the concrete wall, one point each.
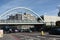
{"type": "Point", "coordinates": [51, 20]}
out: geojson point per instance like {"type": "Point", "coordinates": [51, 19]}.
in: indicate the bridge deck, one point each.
{"type": "Point", "coordinates": [19, 22]}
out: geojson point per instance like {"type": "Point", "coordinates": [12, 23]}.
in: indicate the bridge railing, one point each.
{"type": "Point", "coordinates": [18, 21]}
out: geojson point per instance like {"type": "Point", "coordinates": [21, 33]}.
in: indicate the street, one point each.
{"type": "Point", "coordinates": [29, 36]}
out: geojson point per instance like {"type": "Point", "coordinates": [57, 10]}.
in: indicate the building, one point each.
{"type": "Point", "coordinates": [11, 17]}
{"type": "Point", "coordinates": [15, 17]}
{"type": "Point", "coordinates": [27, 16]}
{"type": "Point", "coordinates": [18, 16]}
{"type": "Point", "coordinates": [24, 18]}
{"type": "Point", "coordinates": [59, 13]}
{"type": "Point", "coordinates": [50, 20]}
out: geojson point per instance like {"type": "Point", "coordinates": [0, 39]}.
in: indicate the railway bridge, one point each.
{"type": "Point", "coordinates": [21, 24]}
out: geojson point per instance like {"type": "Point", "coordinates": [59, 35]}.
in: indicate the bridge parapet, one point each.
{"type": "Point", "coordinates": [18, 21]}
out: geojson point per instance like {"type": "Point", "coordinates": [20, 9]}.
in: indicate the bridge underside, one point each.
{"type": "Point", "coordinates": [22, 26]}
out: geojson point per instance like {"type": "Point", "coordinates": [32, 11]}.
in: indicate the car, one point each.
{"type": "Point", "coordinates": [8, 29]}
{"type": "Point", "coordinates": [54, 31]}
{"type": "Point", "coordinates": [13, 30]}
{"type": "Point", "coordinates": [5, 29]}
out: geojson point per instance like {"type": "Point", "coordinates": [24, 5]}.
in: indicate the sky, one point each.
{"type": "Point", "coordinates": [41, 7]}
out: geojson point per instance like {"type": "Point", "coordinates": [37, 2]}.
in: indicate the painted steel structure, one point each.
{"type": "Point", "coordinates": [7, 12]}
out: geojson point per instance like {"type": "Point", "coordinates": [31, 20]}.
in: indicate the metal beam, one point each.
{"type": "Point", "coordinates": [21, 23]}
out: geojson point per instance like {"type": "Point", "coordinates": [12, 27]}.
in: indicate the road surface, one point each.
{"type": "Point", "coordinates": [29, 36]}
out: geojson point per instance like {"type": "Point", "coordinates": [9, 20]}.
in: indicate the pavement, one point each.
{"type": "Point", "coordinates": [29, 36]}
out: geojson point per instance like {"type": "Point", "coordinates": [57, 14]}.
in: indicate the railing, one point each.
{"type": "Point", "coordinates": [18, 21]}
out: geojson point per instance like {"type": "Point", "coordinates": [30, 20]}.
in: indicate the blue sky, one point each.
{"type": "Point", "coordinates": [41, 7]}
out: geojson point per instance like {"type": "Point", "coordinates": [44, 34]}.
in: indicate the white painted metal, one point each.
{"type": "Point", "coordinates": [20, 8]}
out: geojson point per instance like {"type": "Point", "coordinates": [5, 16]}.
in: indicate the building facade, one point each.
{"type": "Point", "coordinates": [50, 20]}
{"type": "Point", "coordinates": [15, 17]}
{"type": "Point", "coordinates": [24, 18]}
{"type": "Point", "coordinates": [27, 16]}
